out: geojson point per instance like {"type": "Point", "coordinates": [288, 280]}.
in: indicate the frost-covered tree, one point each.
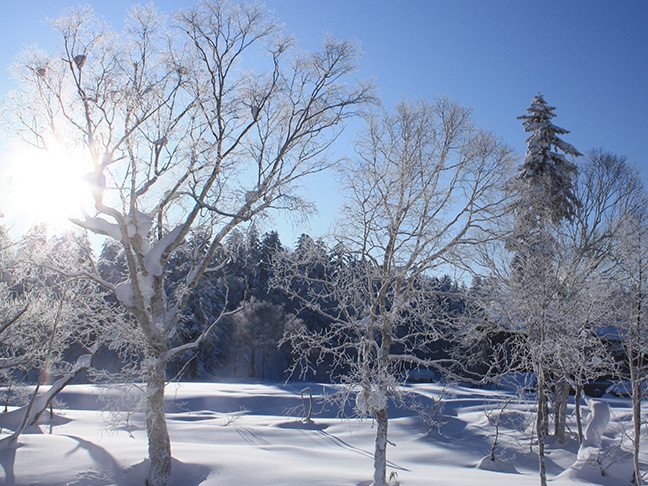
{"type": "Point", "coordinates": [544, 197]}
{"type": "Point", "coordinates": [257, 331]}
{"type": "Point", "coordinates": [203, 120]}
{"type": "Point", "coordinates": [424, 182]}
{"type": "Point", "coordinates": [629, 275]}
{"type": "Point", "coordinates": [30, 294]}
{"type": "Point", "coordinates": [546, 178]}
{"type": "Point", "coordinates": [50, 326]}
{"type": "Point", "coordinates": [577, 296]}
{"type": "Point", "coordinates": [604, 185]}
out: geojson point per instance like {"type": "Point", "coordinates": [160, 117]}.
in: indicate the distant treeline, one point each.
{"type": "Point", "coordinates": [248, 343]}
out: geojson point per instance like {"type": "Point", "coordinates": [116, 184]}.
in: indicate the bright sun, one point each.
{"type": "Point", "coordinates": [46, 187]}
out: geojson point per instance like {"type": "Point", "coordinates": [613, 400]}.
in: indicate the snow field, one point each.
{"type": "Point", "coordinates": [241, 434]}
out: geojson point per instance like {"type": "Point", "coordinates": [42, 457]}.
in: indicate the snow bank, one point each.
{"type": "Point", "coordinates": [597, 422]}
{"type": "Point", "coordinates": [487, 464]}
{"type": "Point", "coordinates": [588, 466]}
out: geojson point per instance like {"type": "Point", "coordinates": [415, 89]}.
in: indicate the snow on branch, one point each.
{"type": "Point", "coordinates": [100, 226]}
{"type": "Point", "coordinates": [153, 259]}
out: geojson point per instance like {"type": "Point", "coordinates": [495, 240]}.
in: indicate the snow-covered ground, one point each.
{"type": "Point", "coordinates": [252, 434]}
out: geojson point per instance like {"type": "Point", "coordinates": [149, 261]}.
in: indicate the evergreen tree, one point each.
{"type": "Point", "coordinates": [206, 303]}
{"type": "Point", "coordinates": [544, 198]}
{"type": "Point", "coordinates": [269, 248]}
{"type": "Point", "coordinates": [547, 177]}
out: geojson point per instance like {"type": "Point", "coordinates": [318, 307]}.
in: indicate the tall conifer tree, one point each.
{"type": "Point", "coordinates": [544, 198]}
{"type": "Point", "coordinates": [546, 176]}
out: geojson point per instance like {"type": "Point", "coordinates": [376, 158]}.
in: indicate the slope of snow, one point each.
{"type": "Point", "coordinates": [252, 434]}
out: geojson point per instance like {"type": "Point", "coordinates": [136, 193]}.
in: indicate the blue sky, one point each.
{"type": "Point", "coordinates": [589, 59]}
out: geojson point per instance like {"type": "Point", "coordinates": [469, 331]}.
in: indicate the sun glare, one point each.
{"type": "Point", "coordinates": [47, 187]}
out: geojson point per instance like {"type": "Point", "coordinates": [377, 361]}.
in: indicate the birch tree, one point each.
{"type": "Point", "coordinates": [424, 181]}
{"type": "Point", "coordinates": [629, 273]}
{"type": "Point", "coordinates": [604, 186]}
{"type": "Point", "coordinates": [205, 120]}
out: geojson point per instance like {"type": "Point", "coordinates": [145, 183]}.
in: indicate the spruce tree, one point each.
{"type": "Point", "coordinates": [544, 198]}
{"type": "Point", "coordinates": [546, 177]}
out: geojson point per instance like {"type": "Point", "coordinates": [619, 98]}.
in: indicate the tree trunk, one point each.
{"type": "Point", "coordinates": [252, 371]}
{"type": "Point", "coordinates": [263, 362]}
{"type": "Point", "coordinates": [636, 418]}
{"type": "Point", "coordinates": [541, 426]}
{"type": "Point", "coordinates": [579, 420]}
{"type": "Point", "coordinates": [380, 454]}
{"type": "Point", "coordinates": [159, 445]}
{"type": "Point", "coordinates": [545, 412]}
{"type": "Point", "coordinates": [562, 398]}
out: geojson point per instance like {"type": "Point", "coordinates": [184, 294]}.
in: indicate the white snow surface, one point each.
{"type": "Point", "coordinates": [252, 434]}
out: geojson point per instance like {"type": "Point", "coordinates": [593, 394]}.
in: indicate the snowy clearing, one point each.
{"type": "Point", "coordinates": [252, 434]}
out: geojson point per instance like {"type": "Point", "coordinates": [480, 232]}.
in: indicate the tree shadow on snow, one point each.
{"type": "Point", "coordinates": [302, 425]}
{"type": "Point", "coordinates": [104, 461]}
{"type": "Point", "coordinates": [182, 474]}
{"type": "Point", "coordinates": [454, 434]}
{"type": "Point", "coordinates": [11, 420]}
{"type": "Point", "coordinates": [8, 461]}
{"type": "Point", "coordinates": [108, 471]}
